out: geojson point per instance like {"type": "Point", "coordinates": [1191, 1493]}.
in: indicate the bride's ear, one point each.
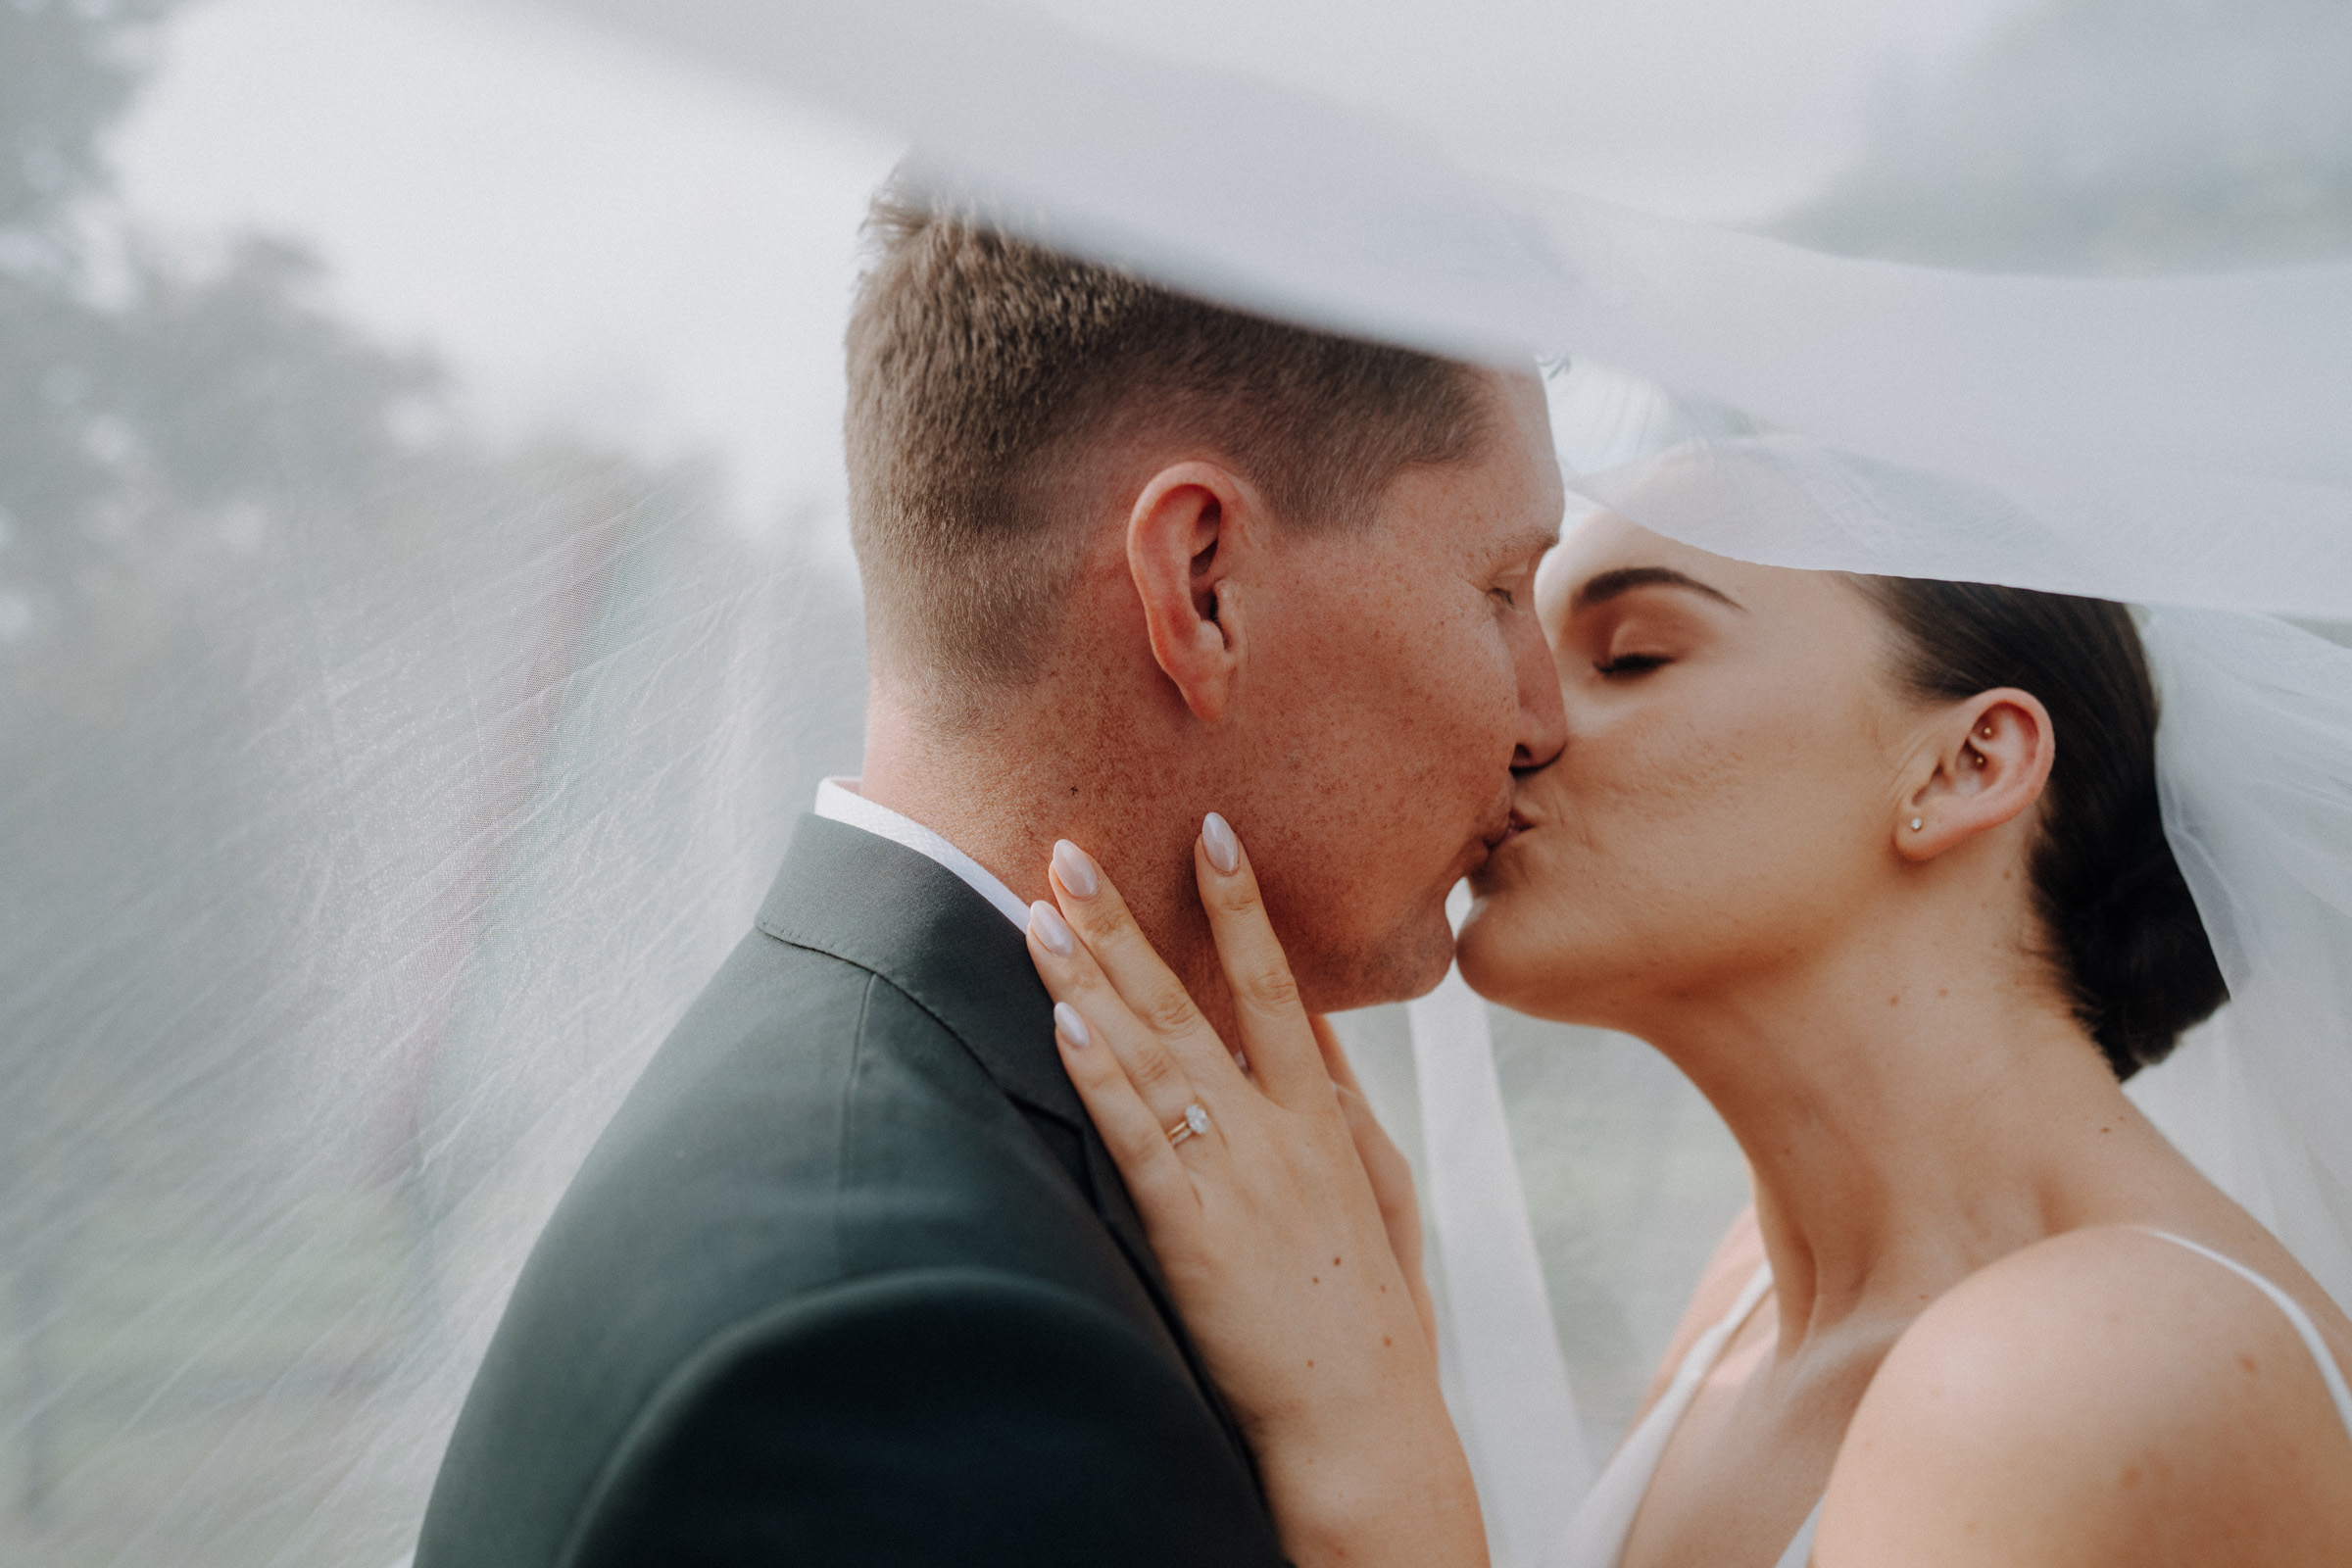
{"type": "Point", "coordinates": [1985, 764]}
{"type": "Point", "coordinates": [1190, 526]}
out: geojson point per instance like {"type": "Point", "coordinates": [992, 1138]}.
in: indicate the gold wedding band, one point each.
{"type": "Point", "coordinates": [1194, 1123]}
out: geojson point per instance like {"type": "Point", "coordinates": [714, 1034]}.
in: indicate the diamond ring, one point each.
{"type": "Point", "coordinates": [1194, 1123]}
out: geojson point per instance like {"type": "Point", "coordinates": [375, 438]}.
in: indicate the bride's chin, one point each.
{"type": "Point", "coordinates": [1487, 950]}
{"type": "Point", "coordinates": [1512, 953]}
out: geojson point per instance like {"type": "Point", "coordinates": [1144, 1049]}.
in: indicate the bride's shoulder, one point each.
{"type": "Point", "coordinates": [2109, 1389]}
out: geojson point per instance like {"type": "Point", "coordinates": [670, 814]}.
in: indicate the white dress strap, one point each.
{"type": "Point", "coordinates": [2330, 1372]}
{"type": "Point", "coordinates": [1800, 1549]}
{"type": "Point", "coordinates": [1596, 1537]}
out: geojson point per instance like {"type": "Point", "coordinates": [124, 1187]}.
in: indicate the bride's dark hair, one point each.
{"type": "Point", "coordinates": [2128, 943]}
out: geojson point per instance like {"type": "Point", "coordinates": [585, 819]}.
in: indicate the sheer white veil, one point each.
{"type": "Point", "coordinates": [485, 818]}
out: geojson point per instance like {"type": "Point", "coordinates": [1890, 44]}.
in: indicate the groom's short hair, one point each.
{"type": "Point", "coordinates": [981, 367]}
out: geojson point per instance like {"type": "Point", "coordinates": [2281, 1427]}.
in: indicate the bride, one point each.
{"type": "Point", "coordinates": [1879, 864]}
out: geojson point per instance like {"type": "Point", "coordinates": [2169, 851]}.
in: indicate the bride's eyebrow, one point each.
{"type": "Point", "coordinates": [1623, 579]}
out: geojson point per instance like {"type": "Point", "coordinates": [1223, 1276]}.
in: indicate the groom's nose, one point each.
{"type": "Point", "coordinates": [1542, 721]}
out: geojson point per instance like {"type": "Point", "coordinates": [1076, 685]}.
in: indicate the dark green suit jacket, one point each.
{"type": "Point", "coordinates": [850, 1279]}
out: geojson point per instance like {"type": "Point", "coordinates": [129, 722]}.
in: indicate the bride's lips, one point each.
{"type": "Point", "coordinates": [1513, 825]}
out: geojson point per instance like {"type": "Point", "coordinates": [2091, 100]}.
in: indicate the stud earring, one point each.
{"type": "Point", "coordinates": [1917, 823]}
{"type": "Point", "coordinates": [1980, 755]}
{"type": "Point", "coordinates": [1986, 732]}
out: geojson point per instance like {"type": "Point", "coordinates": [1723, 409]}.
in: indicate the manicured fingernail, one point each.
{"type": "Point", "coordinates": [1224, 850]}
{"type": "Point", "coordinates": [1076, 871]}
{"type": "Point", "coordinates": [1072, 1027]}
{"type": "Point", "coordinates": [1046, 924]}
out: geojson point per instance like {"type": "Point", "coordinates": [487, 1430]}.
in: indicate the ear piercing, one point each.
{"type": "Point", "coordinates": [1919, 824]}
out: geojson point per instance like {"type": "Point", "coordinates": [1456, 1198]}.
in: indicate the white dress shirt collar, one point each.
{"type": "Point", "coordinates": [838, 799]}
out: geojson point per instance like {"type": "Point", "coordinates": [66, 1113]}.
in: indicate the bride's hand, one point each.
{"type": "Point", "coordinates": [1385, 1166]}
{"type": "Point", "coordinates": [1255, 1191]}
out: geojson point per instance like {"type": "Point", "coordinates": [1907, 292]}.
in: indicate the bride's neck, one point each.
{"type": "Point", "coordinates": [1911, 1111]}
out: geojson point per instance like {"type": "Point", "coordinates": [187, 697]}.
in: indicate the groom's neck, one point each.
{"type": "Point", "coordinates": [1002, 788]}
{"type": "Point", "coordinates": [980, 785]}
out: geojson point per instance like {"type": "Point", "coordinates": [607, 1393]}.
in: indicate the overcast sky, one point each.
{"type": "Point", "coordinates": [599, 238]}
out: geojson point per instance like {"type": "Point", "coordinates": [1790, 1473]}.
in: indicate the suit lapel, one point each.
{"type": "Point", "coordinates": [1117, 1210]}
{"type": "Point", "coordinates": [884, 907]}
{"type": "Point", "coordinates": [904, 916]}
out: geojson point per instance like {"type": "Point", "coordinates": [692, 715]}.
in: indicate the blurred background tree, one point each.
{"type": "Point", "coordinates": [148, 407]}
{"type": "Point", "coordinates": [67, 72]}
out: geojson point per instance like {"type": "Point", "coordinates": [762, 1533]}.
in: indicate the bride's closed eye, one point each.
{"type": "Point", "coordinates": [1632, 622]}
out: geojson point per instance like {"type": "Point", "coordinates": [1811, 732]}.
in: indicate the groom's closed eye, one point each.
{"type": "Point", "coordinates": [1513, 581]}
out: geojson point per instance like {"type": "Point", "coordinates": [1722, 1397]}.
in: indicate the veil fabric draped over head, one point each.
{"type": "Point", "coordinates": [519, 796]}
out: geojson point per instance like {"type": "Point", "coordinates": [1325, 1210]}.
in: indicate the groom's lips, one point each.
{"type": "Point", "coordinates": [1496, 839]}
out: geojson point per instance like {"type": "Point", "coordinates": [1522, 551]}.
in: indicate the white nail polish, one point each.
{"type": "Point", "coordinates": [1047, 924]}
{"type": "Point", "coordinates": [1072, 1027]}
{"type": "Point", "coordinates": [1075, 869]}
{"type": "Point", "coordinates": [1224, 850]}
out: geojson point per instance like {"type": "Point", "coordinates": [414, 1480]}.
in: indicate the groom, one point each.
{"type": "Point", "coordinates": [850, 1279]}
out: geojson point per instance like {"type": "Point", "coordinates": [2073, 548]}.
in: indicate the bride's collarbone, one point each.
{"type": "Point", "coordinates": [1752, 1455]}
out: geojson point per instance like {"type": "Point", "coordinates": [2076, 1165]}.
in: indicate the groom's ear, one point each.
{"type": "Point", "coordinates": [1190, 524]}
